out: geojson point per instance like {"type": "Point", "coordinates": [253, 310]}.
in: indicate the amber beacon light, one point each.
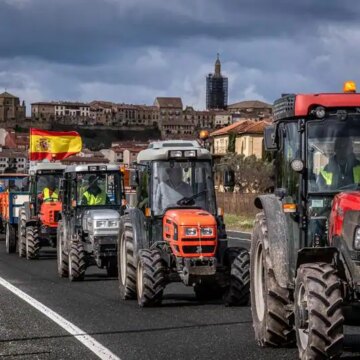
{"type": "Point", "coordinates": [349, 87]}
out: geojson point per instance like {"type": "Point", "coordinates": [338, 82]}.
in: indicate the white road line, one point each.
{"type": "Point", "coordinates": [239, 232]}
{"type": "Point", "coordinates": [98, 349]}
{"type": "Point", "coordinates": [239, 239]}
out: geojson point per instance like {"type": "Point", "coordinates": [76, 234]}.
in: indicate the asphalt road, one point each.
{"type": "Point", "coordinates": [181, 328]}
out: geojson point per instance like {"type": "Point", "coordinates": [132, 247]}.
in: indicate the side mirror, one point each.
{"type": "Point", "coordinates": [133, 178]}
{"type": "Point", "coordinates": [229, 178]}
{"type": "Point", "coordinates": [270, 138]}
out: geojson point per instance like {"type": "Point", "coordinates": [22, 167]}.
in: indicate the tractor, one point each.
{"type": "Point", "coordinates": [305, 251]}
{"type": "Point", "coordinates": [93, 199]}
{"type": "Point", "coordinates": [38, 217]}
{"type": "Point", "coordinates": [175, 233]}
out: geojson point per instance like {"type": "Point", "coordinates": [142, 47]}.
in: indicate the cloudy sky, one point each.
{"type": "Point", "coordinates": [134, 50]}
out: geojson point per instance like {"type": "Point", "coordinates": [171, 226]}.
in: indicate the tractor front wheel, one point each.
{"type": "Point", "coordinates": [126, 261]}
{"type": "Point", "coordinates": [318, 314]}
{"type": "Point", "coordinates": [62, 258]}
{"type": "Point", "coordinates": [271, 305]}
{"type": "Point", "coordinates": [150, 278]}
{"type": "Point", "coordinates": [10, 238]}
{"type": "Point", "coordinates": [238, 291]}
{"type": "Point", "coordinates": [32, 243]}
{"type": "Point", "coordinates": [22, 233]}
{"type": "Point", "coordinates": [77, 264]}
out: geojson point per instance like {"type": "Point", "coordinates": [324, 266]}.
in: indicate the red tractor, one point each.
{"type": "Point", "coordinates": [305, 253]}
{"type": "Point", "coordinates": [38, 218]}
{"type": "Point", "coordinates": [176, 233]}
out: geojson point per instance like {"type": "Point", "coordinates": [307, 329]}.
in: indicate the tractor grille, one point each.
{"type": "Point", "coordinates": [205, 249]}
{"type": "Point", "coordinates": [284, 107]}
{"type": "Point", "coordinates": [197, 239]}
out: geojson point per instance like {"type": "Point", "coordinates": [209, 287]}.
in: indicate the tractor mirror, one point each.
{"type": "Point", "coordinates": [229, 178]}
{"type": "Point", "coordinates": [133, 178]}
{"type": "Point", "coordinates": [270, 138]}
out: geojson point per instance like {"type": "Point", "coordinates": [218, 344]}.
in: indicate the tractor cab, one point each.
{"type": "Point", "coordinates": [304, 245]}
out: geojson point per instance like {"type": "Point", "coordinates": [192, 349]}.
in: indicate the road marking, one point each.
{"type": "Point", "coordinates": [93, 345]}
{"type": "Point", "coordinates": [238, 239]}
{"type": "Point", "coordinates": [240, 232]}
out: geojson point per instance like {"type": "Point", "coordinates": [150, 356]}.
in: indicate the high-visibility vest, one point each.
{"type": "Point", "coordinates": [99, 199]}
{"type": "Point", "coordinates": [328, 175]}
{"type": "Point", "coordinates": [48, 196]}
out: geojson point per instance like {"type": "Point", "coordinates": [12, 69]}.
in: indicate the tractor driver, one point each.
{"type": "Point", "coordinates": [49, 192]}
{"type": "Point", "coordinates": [343, 168]}
{"type": "Point", "coordinates": [94, 195]}
{"type": "Point", "coordinates": [170, 191]}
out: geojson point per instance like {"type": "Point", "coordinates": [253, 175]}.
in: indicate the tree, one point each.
{"type": "Point", "coordinates": [232, 142]}
{"type": "Point", "coordinates": [251, 174]}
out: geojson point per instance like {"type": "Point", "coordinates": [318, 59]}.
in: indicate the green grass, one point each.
{"type": "Point", "coordinates": [239, 222]}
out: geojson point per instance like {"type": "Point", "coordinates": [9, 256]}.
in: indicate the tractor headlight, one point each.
{"type": "Point", "coordinates": [357, 239]}
{"type": "Point", "coordinates": [190, 231]}
{"type": "Point", "coordinates": [113, 223]}
{"type": "Point", "coordinates": [100, 223]}
{"type": "Point", "coordinates": [207, 231]}
{"type": "Point", "coordinates": [175, 154]}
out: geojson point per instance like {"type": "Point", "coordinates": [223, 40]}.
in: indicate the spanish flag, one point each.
{"type": "Point", "coordinates": [53, 145]}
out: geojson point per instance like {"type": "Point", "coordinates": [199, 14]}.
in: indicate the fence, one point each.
{"type": "Point", "coordinates": [237, 203]}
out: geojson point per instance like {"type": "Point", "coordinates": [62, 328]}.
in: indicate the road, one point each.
{"type": "Point", "coordinates": [181, 328]}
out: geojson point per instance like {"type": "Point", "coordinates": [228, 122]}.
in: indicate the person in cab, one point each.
{"type": "Point", "coordinates": [50, 192]}
{"type": "Point", "coordinates": [94, 195]}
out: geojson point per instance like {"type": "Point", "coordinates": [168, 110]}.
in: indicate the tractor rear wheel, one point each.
{"type": "Point", "coordinates": [271, 305]}
{"type": "Point", "coordinates": [62, 258]}
{"type": "Point", "coordinates": [150, 278]}
{"type": "Point", "coordinates": [126, 261]}
{"type": "Point", "coordinates": [10, 238]}
{"type": "Point", "coordinates": [238, 291]}
{"type": "Point", "coordinates": [318, 314]}
{"type": "Point", "coordinates": [77, 263]}
{"type": "Point", "coordinates": [22, 233]}
{"type": "Point", "coordinates": [32, 243]}
{"type": "Point", "coordinates": [111, 268]}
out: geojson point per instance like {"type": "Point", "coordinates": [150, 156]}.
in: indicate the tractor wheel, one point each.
{"type": "Point", "coordinates": [111, 268]}
{"type": "Point", "coordinates": [238, 291]}
{"type": "Point", "coordinates": [22, 233]}
{"type": "Point", "coordinates": [32, 243]}
{"type": "Point", "coordinates": [150, 278]}
{"type": "Point", "coordinates": [62, 258]}
{"type": "Point", "coordinates": [126, 261]}
{"type": "Point", "coordinates": [77, 264]}
{"type": "Point", "coordinates": [318, 314]}
{"type": "Point", "coordinates": [10, 238]}
{"type": "Point", "coordinates": [273, 319]}
{"type": "Point", "coordinates": [207, 290]}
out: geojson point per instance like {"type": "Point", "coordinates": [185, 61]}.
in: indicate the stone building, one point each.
{"type": "Point", "coordinates": [170, 108]}
{"type": "Point", "coordinates": [250, 109]}
{"type": "Point", "coordinates": [11, 111]}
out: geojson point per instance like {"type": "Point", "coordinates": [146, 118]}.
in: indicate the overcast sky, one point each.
{"type": "Point", "coordinates": [134, 50]}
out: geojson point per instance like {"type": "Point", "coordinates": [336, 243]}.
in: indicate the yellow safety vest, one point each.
{"type": "Point", "coordinates": [328, 176]}
{"type": "Point", "coordinates": [47, 196]}
{"type": "Point", "coordinates": [99, 199]}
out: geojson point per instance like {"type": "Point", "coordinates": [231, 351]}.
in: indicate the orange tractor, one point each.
{"type": "Point", "coordinates": [175, 232]}
{"type": "Point", "coordinates": [38, 218]}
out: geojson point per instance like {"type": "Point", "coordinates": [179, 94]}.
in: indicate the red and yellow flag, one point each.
{"type": "Point", "coordinates": [53, 145]}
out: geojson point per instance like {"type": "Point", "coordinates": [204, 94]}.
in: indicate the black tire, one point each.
{"type": "Point", "coordinates": [319, 317]}
{"type": "Point", "coordinates": [238, 291]}
{"type": "Point", "coordinates": [62, 257]}
{"type": "Point", "coordinates": [77, 263]}
{"type": "Point", "coordinates": [32, 243]}
{"type": "Point", "coordinates": [22, 233]}
{"type": "Point", "coordinates": [150, 278]}
{"type": "Point", "coordinates": [126, 261]}
{"type": "Point", "coordinates": [271, 305]}
{"type": "Point", "coordinates": [10, 238]}
{"type": "Point", "coordinates": [111, 268]}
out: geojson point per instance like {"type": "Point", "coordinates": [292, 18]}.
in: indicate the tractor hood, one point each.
{"type": "Point", "coordinates": [101, 222]}
{"type": "Point", "coordinates": [190, 217]}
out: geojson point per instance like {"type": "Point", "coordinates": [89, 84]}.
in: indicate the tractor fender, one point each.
{"type": "Point", "coordinates": [138, 221]}
{"type": "Point", "coordinates": [277, 235]}
{"type": "Point", "coordinates": [330, 255]}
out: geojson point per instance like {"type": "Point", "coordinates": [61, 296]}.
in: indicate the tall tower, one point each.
{"type": "Point", "coordinates": [216, 88]}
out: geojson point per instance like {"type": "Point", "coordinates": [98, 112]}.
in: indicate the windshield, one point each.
{"type": "Point", "coordinates": [48, 181]}
{"type": "Point", "coordinates": [333, 154]}
{"type": "Point", "coordinates": [14, 184]}
{"type": "Point", "coordinates": [96, 189]}
{"type": "Point", "coordinates": [182, 183]}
